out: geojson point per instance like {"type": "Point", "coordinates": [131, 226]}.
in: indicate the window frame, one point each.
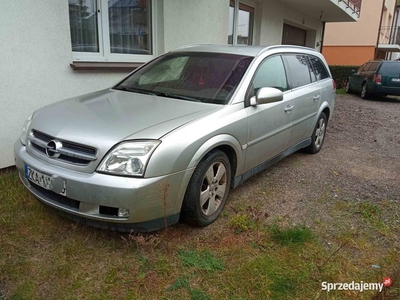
{"type": "Point", "coordinates": [104, 55]}
{"type": "Point", "coordinates": [239, 5]}
{"type": "Point", "coordinates": [250, 87]}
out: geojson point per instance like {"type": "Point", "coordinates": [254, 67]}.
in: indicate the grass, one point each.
{"type": "Point", "coordinates": [341, 91]}
{"type": "Point", "coordinates": [245, 255]}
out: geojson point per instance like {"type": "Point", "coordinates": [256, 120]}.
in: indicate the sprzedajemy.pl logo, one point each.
{"type": "Point", "coordinates": [356, 286]}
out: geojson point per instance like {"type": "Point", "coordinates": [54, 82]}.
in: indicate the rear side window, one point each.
{"type": "Point", "coordinates": [390, 67]}
{"type": "Point", "coordinates": [373, 66]}
{"type": "Point", "coordinates": [271, 73]}
{"type": "Point", "coordinates": [319, 69]}
{"type": "Point", "coordinates": [364, 67]}
{"type": "Point", "coordinates": [299, 70]}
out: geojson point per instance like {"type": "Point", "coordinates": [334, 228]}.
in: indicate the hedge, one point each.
{"type": "Point", "coordinates": [341, 74]}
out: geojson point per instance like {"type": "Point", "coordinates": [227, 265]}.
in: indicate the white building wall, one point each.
{"type": "Point", "coordinates": [35, 49]}
{"type": "Point", "coordinates": [275, 13]}
{"type": "Point", "coordinates": [36, 52]}
{"type": "Point", "coordinates": [193, 21]}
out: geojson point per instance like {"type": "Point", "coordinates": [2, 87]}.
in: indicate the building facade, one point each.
{"type": "Point", "coordinates": [374, 36]}
{"type": "Point", "coordinates": [59, 49]}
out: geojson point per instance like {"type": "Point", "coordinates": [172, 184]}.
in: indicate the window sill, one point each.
{"type": "Point", "coordinates": [109, 66]}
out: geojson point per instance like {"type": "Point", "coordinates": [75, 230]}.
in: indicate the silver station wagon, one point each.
{"type": "Point", "coordinates": [169, 141]}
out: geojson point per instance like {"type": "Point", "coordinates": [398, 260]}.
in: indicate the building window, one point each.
{"type": "Point", "coordinates": [241, 19]}
{"type": "Point", "coordinates": [111, 30]}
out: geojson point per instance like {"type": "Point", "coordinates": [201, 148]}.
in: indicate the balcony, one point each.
{"type": "Point", "coordinates": [328, 10]}
{"type": "Point", "coordinates": [389, 39]}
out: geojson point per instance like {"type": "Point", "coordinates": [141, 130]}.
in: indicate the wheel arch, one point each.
{"type": "Point", "coordinates": [223, 142]}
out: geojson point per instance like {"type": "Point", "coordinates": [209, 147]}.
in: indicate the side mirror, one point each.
{"type": "Point", "coordinates": [266, 95]}
{"type": "Point", "coordinates": [353, 71]}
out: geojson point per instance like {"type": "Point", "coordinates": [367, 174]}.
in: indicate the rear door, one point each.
{"type": "Point", "coordinates": [305, 89]}
{"type": "Point", "coordinates": [323, 78]}
{"type": "Point", "coordinates": [357, 79]}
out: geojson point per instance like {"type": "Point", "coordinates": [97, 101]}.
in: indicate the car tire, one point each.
{"type": "Point", "coordinates": [364, 91]}
{"type": "Point", "coordinates": [348, 87]}
{"type": "Point", "coordinates": [207, 190]}
{"type": "Point", "coordinates": [318, 136]}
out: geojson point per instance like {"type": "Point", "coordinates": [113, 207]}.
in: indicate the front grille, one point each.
{"type": "Point", "coordinates": [70, 203]}
{"type": "Point", "coordinates": [70, 152]}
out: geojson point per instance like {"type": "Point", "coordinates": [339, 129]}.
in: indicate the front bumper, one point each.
{"type": "Point", "coordinates": [95, 199]}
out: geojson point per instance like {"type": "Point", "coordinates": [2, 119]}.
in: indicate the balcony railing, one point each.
{"type": "Point", "coordinates": [354, 5]}
{"type": "Point", "coordinates": [389, 35]}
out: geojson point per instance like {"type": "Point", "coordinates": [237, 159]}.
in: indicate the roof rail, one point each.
{"type": "Point", "coordinates": [290, 46]}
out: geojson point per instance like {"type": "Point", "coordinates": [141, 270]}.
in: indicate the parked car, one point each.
{"type": "Point", "coordinates": [376, 77]}
{"type": "Point", "coordinates": [170, 140]}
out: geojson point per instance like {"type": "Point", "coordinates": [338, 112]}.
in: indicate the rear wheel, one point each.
{"type": "Point", "coordinates": [364, 91]}
{"type": "Point", "coordinates": [318, 136]}
{"type": "Point", "coordinates": [207, 190]}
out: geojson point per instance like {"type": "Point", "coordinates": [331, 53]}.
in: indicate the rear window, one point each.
{"type": "Point", "coordinates": [390, 67]}
{"type": "Point", "coordinates": [373, 67]}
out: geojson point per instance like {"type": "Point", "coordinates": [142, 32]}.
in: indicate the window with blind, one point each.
{"type": "Point", "coordinates": [111, 30]}
{"type": "Point", "coordinates": [241, 20]}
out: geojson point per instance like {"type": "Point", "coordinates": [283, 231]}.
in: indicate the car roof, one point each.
{"type": "Point", "coordinates": [236, 49]}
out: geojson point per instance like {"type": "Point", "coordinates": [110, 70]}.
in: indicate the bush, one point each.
{"type": "Point", "coordinates": [341, 74]}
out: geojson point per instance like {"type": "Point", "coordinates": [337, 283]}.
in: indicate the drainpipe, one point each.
{"type": "Point", "coordinates": [393, 30]}
{"type": "Point", "coordinates": [323, 36]}
{"type": "Point", "coordinates": [379, 30]}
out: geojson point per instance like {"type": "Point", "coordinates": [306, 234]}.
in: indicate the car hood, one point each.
{"type": "Point", "coordinates": [102, 119]}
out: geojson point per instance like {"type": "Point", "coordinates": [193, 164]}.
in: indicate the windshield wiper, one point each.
{"type": "Point", "coordinates": [170, 95]}
{"type": "Point", "coordinates": [133, 90]}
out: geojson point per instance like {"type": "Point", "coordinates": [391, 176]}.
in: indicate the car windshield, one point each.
{"type": "Point", "coordinates": [192, 76]}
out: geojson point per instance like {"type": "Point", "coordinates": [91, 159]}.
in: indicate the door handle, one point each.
{"type": "Point", "coordinates": [316, 98]}
{"type": "Point", "coordinates": [289, 108]}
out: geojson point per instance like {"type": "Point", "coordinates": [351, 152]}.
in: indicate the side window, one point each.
{"type": "Point", "coordinates": [365, 67]}
{"type": "Point", "coordinates": [373, 67]}
{"type": "Point", "coordinates": [271, 73]}
{"type": "Point", "coordinates": [299, 70]}
{"type": "Point", "coordinates": [319, 68]}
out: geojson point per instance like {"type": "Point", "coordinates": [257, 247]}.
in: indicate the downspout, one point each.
{"type": "Point", "coordinates": [323, 36]}
{"type": "Point", "coordinates": [393, 33]}
{"type": "Point", "coordinates": [379, 30]}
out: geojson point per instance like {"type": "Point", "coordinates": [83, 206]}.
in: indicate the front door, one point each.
{"type": "Point", "coordinates": [269, 125]}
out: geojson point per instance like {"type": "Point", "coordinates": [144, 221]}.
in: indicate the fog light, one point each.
{"type": "Point", "coordinates": [123, 213]}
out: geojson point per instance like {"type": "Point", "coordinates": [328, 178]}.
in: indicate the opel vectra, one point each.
{"type": "Point", "coordinates": [170, 140]}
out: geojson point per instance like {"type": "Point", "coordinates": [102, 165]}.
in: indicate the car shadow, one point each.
{"type": "Point", "coordinates": [389, 99]}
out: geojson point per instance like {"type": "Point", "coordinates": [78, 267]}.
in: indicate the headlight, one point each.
{"type": "Point", "coordinates": [128, 158]}
{"type": "Point", "coordinates": [24, 135]}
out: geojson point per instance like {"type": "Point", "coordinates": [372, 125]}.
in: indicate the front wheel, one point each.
{"type": "Point", "coordinates": [207, 190]}
{"type": "Point", "coordinates": [348, 87]}
{"type": "Point", "coordinates": [318, 136]}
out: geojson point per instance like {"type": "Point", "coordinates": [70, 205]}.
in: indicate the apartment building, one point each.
{"type": "Point", "coordinates": [374, 36]}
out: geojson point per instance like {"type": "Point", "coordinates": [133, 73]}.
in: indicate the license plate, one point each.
{"type": "Point", "coordinates": [396, 79]}
{"type": "Point", "coordinates": [44, 181]}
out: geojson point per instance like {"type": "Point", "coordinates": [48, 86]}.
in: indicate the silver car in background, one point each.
{"type": "Point", "coordinates": [170, 140]}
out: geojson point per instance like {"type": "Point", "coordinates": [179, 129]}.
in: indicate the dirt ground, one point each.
{"type": "Point", "coordinates": [359, 161]}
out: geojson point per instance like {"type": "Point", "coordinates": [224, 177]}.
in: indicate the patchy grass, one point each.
{"type": "Point", "coordinates": [341, 91]}
{"type": "Point", "coordinates": [44, 256]}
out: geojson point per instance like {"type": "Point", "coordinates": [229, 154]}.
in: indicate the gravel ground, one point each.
{"type": "Point", "coordinates": [359, 161]}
